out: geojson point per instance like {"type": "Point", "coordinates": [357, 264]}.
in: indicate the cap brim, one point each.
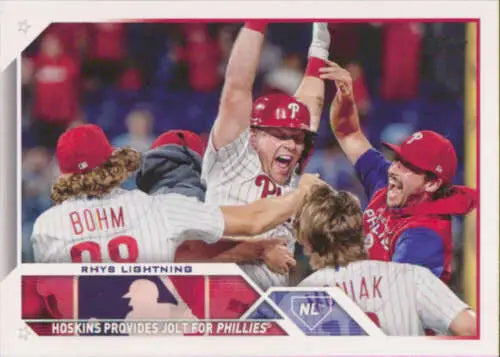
{"type": "Point", "coordinates": [395, 148]}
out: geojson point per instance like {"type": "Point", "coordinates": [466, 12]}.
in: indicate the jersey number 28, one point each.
{"type": "Point", "coordinates": [94, 250]}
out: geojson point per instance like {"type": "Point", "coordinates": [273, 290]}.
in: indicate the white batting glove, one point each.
{"type": "Point", "coordinates": [320, 41]}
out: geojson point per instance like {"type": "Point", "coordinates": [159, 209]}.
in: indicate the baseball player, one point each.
{"type": "Point", "coordinates": [256, 149]}
{"type": "Point", "coordinates": [96, 221]}
{"type": "Point", "coordinates": [173, 165]}
{"type": "Point", "coordinates": [412, 199]}
{"type": "Point", "coordinates": [402, 299]}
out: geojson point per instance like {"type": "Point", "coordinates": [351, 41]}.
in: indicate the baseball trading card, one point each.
{"type": "Point", "coordinates": [249, 178]}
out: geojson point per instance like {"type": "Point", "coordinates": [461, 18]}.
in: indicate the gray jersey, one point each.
{"type": "Point", "coordinates": [403, 299]}
{"type": "Point", "coordinates": [234, 176]}
{"type": "Point", "coordinates": [123, 226]}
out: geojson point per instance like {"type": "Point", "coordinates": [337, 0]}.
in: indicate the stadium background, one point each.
{"type": "Point", "coordinates": [136, 80]}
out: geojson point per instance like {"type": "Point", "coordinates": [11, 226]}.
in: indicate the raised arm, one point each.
{"type": "Point", "coordinates": [311, 90]}
{"type": "Point", "coordinates": [264, 214]}
{"type": "Point", "coordinates": [344, 118]}
{"type": "Point", "coordinates": [235, 104]}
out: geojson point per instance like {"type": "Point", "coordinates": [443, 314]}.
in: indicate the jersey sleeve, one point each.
{"type": "Point", "coordinates": [232, 159]}
{"type": "Point", "coordinates": [319, 278]}
{"type": "Point", "coordinates": [437, 305]}
{"type": "Point", "coordinates": [311, 280]}
{"type": "Point", "coordinates": [44, 245]}
{"type": "Point", "coordinates": [371, 169]}
{"type": "Point", "coordinates": [192, 219]}
{"type": "Point", "coordinates": [36, 239]}
{"type": "Point", "coordinates": [420, 246]}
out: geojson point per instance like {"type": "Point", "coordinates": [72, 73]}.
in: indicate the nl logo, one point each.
{"type": "Point", "coordinates": [311, 310]}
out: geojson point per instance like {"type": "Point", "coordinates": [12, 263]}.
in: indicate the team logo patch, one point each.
{"type": "Point", "coordinates": [415, 136]}
{"type": "Point", "coordinates": [369, 241]}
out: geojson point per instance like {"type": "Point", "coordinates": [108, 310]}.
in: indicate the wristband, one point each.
{"type": "Point", "coordinates": [313, 66]}
{"type": "Point", "coordinates": [256, 25]}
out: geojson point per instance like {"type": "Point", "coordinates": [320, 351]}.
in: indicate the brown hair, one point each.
{"type": "Point", "coordinates": [332, 223]}
{"type": "Point", "coordinates": [445, 190]}
{"type": "Point", "coordinates": [99, 181]}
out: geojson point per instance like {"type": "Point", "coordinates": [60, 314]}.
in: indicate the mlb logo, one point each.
{"type": "Point", "coordinates": [83, 165]}
{"type": "Point", "coordinates": [140, 297]}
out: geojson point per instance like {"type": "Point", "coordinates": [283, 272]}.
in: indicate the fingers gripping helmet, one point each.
{"type": "Point", "coordinates": [283, 111]}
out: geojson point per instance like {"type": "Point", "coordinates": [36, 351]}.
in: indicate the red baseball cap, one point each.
{"type": "Point", "coordinates": [82, 149]}
{"type": "Point", "coordinates": [429, 151]}
{"type": "Point", "coordinates": [181, 137]}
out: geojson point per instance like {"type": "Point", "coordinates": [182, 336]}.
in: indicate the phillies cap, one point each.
{"type": "Point", "coordinates": [181, 137]}
{"type": "Point", "coordinates": [82, 149]}
{"type": "Point", "coordinates": [429, 151]}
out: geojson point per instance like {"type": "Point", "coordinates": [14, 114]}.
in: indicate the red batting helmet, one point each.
{"type": "Point", "coordinates": [280, 110]}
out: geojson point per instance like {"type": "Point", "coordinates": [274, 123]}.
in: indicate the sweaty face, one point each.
{"type": "Point", "coordinates": [406, 184]}
{"type": "Point", "coordinates": [279, 151]}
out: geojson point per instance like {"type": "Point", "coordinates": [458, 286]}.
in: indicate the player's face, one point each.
{"type": "Point", "coordinates": [279, 151]}
{"type": "Point", "coordinates": [406, 184]}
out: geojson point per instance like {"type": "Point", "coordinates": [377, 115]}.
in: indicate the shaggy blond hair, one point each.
{"type": "Point", "coordinates": [331, 222]}
{"type": "Point", "coordinates": [99, 181]}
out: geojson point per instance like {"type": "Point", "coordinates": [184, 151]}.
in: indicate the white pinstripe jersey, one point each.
{"type": "Point", "coordinates": [234, 176]}
{"type": "Point", "coordinates": [123, 226]}
{"type": "Point", "coordinates": [403, 299]}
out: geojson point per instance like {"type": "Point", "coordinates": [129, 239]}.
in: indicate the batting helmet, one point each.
{"type": "Point", "coordinates": [280, 110]}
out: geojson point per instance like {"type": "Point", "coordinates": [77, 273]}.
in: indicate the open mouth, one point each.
{"type": "Point", "coordinates": [394, 187]}
{"type": "Point", "coordinates": [284, 161]}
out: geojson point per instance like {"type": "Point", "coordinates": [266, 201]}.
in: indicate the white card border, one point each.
{"type": "Point", "coordinates": [40, 13]}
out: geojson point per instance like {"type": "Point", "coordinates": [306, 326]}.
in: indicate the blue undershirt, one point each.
{"type": "Point", "coordinates": [419, 245]}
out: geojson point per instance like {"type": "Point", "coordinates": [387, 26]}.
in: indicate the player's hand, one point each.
{"type": "Point", "coordinates": [342, 78]}
{"type": "Point", "coordinates": [277, 257]}
{"type": "Point", "coordinates": [307, 181]}
{"type": "Point", "coordinates": [344, 117]}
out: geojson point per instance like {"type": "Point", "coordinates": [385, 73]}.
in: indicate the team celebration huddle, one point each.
{"type": "Point", "coordinates": [243, 196]}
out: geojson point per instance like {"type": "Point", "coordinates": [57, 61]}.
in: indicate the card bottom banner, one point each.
{"type": "Point", "coordinates": [177, 305]}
